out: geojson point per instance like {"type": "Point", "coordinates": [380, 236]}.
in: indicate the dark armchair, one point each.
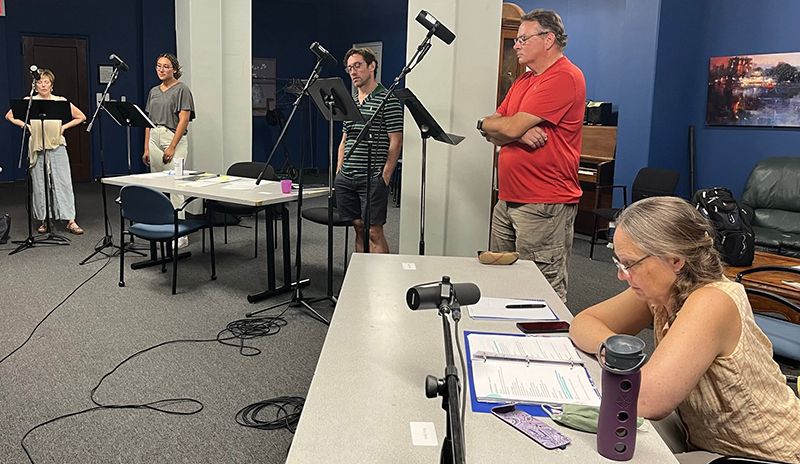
{"type": "Point", "coordinates": [772, 196]}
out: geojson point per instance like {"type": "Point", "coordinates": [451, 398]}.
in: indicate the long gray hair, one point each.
{"type": "Point", "coordinates": [669, 227]}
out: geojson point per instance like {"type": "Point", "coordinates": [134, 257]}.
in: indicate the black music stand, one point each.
{"type": "Point", "coordinates": [43, 110]}
{"type": "Point", "coordinates": [335, 103]}
{"type": "Point", "coordinates": [125, 114]}
{"type": "Point", "coordinates": [428, 127]}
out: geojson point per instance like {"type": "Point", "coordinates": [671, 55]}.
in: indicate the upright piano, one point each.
{"type": "Point", "coordinates": [596, 169]}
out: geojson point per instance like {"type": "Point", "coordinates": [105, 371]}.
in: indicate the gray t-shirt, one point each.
{"type": "Point", "coordinates": [164, 107]}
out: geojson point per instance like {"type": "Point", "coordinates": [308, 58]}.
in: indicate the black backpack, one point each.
{"type": "Point", "coordinates": [735, 240]}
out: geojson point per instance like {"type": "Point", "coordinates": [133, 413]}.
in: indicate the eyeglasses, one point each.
{"type": "Point", "coordinates": [357, 65]}
{"type": "Point", "coordinates": [524, 38]}
{"type": "Point", "coordinates": [625, 269]}
{"type": "Point", "coordinates": [165, 67]}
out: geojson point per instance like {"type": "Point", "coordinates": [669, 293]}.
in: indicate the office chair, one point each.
{"type": "Point", "coordinates": [320, 216]}
{"type": "Point", "coordinates": [250, 169]}
{"type": "Point", "coordinates": [649, 182]}
{"type": "Point", "coordinates": [154, 219]}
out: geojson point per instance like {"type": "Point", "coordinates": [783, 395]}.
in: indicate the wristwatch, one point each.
{"type": "Point", "coordinates": [480, 127]}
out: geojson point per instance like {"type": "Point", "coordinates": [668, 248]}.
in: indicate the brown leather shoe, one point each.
{"type": "Point", "coordinates": [74, 228]}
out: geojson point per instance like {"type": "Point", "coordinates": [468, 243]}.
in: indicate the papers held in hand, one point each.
{"type": "Point", "coordinates": [514, 309]}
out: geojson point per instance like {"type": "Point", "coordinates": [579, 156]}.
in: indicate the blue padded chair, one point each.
{"type": "Point", "coordinates": [781, 321]}
{"type": "Point", "coordinates": [155, 219]}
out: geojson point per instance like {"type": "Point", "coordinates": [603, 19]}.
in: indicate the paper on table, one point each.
{"type": "Point", "coordinates": [241, 184]}
{"type": "Point", "coordinates": [495, 308]}
{"type": "Point", "coordinates": [530, 348]}
{"type": "Point", "coordinates": [533, 383]}
{"type": "Point", "coordinates": [155, 174]}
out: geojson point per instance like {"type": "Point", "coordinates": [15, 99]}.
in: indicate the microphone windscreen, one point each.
{"type": "Point", "coordinates": [466, 293]}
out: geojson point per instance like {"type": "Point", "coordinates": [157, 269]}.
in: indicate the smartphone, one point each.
{"type": "Point", "coordinates": [532, 427]}
{"type": "Point", "coordinates": [543, 327]}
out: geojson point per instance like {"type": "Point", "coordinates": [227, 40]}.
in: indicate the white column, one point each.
{"type": "Point", "coordinates": [214, 48]}
{"type": "Point", "coordinates": [458, 85]}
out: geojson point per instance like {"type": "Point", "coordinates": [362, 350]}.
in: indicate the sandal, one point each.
{"type": "Point", "coordinates": [74, 228]}
{"type": "Point", "coordinates": [42, 228]}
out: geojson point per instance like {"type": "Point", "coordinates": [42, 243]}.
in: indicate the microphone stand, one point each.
{"type": "Point", "coordinates": [30, 241]}
{"type": "Point", "coordinates": [453, 448]}
{"type": "Point", "coordinates": [107, 240]}
{"type": "Point", "coordinates": [297, 300]}
{"type": "Point", "coordinates": [422, 50]}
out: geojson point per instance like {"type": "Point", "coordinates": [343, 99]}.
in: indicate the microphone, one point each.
{"type": "Point", "coordinates": [118, 62]}
{"type": "Point", "coordinates": [36, 73]}
{"type": "Point", "coordinates": [432, 24]}
{"type": "Point", "coordinates": [322, 54]}
{"type": "Point", "coordinates": [429, 296]}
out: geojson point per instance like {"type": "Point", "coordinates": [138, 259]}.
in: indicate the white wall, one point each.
{"type": "Point", "coordinates": [214, 48]}
{"type": "Point", "coordinates": [458, 85]}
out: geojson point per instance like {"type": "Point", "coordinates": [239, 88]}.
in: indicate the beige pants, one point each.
{"type": "Point", "coordinates": [541, 233]}
{"type": "Point", "coordinates": [160, 138]}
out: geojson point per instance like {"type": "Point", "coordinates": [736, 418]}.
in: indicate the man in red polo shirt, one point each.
{"type": "Point", "coordinates": [538, 126]}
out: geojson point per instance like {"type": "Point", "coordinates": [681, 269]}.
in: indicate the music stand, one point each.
{"type": "Point", "coordinates": [43, 110]}
{"type": "Point", "coordinates": [428, 127]}
{"type": "Point", "coordinates": [335, 103]}
{"type": "Point", "coordinates": [127, 114]}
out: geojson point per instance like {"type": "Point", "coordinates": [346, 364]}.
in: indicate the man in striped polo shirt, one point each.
{"type": "Point", "coordinates": [387, 137]}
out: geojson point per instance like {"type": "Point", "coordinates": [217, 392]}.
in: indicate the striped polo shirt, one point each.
{"type": "Point", "coordinates": [389, 120]}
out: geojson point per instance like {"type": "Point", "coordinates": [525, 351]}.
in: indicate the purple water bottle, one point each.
{"type": "Point", "coordinates": [620, 356]}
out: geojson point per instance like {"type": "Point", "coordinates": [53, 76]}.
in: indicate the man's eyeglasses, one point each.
{"type": "Point", "coordinates": [357, 65]}
{"type": "Point", "coordinates": [524, 38]}
{"type": "Point", "coordinates": [625, 268]}
{"type": "Point", "coordinates": [165, 67]}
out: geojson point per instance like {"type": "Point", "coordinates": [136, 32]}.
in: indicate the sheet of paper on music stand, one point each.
{"type": "Point", "coordinates": [495, 308]}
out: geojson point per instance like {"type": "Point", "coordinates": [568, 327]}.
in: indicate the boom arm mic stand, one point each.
{"type": "Point", "coordinates": [297, 297]}
{"type": "Point", "coordinates": [422, 49]}
{"type": "Point", "coordinates": [107, 240]}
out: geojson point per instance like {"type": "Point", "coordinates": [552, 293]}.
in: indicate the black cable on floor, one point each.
{"type": "Point", "coordinates": [54, 309]}
{"type": "Point", "coordinates": [242, 330]}
{"type": "Point", "coordinates": [287, 411]}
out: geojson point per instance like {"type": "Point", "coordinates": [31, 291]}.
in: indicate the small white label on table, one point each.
{"type": "Point", "coordinates": [409, 267]}
{"type": "Point", "coordinates": [423, 434]}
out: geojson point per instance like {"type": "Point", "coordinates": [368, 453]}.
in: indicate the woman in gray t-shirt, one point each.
{"type": "Point", "coordinates": [170, 106]}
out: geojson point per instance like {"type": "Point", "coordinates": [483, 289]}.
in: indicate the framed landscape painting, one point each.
{"type": "Point", "coordinates": [754, 90]}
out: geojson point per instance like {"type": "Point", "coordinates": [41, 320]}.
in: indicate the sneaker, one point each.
{"type": "Point", "coordinates": [183, 242]}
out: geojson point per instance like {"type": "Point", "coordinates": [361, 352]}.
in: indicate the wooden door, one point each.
{"type": "Point", "coordinates": [66, 58]}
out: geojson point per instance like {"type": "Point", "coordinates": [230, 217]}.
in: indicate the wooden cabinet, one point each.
{"type": "Point", "coordinates": [596, 169]}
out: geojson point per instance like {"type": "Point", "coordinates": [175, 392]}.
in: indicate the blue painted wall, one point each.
{"type": "Point", "coordinates": [135, 30]}
{"type": "Point", "coordinates": [336, 25]}
{"type": "Point", "coordinates": [725, 156]}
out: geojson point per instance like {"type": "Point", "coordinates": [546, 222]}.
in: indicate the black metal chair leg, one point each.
{"type": "Point", "coordinates": [121, 251]}
{"type": "Point", "coordinates": [163, 257]}
{"type": "Point", "coordinates": [213, 258]}
{"type": "Point", "coordinates": [594, 238]}
{"type": "Point", "coordinates": [174, 244]}
{"type": "Point", "coordinates": [255, 226]}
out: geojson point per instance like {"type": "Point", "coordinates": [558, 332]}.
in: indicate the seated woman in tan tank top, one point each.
{"type": "Point", "coordinates": [712, 364]}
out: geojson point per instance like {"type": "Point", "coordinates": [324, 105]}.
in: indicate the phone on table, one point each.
{"type": "Point", "coordinates": [535, 429]}
{"type": "Point", "coordinates": [543, 327]}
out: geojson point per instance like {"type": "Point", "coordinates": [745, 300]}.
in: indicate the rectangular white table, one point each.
{"type": "Point", "coordinates": [369, 382]}
{"type": "Point", "coordinates": [242, 191]}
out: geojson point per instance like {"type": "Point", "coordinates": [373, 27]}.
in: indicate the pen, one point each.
{"type": "Point", "coordinates": [525, 306]}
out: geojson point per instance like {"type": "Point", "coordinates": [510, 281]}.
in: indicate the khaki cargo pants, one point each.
{"type": "Point", "coordinates": [541, 233]}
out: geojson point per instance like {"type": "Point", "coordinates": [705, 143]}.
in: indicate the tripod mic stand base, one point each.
{"type": "Point", "coordinates": [332, 298]}
{"type": "Point", "coordinates": [108, 242]}
{"type": "Point", "coordinates": [269, 293]}
{"type": "Point", "coordinates": [297, 301]}
{"type": "Point", "coordinates": [32, 241]}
